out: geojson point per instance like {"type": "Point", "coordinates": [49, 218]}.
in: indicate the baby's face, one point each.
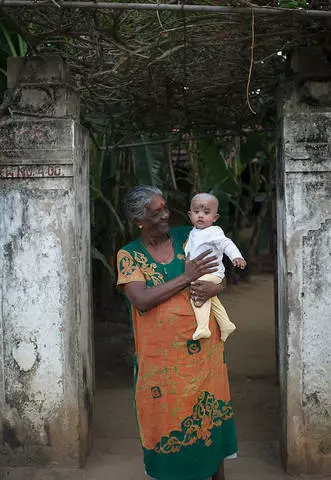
{"type": "Point", "coordinates": [203, 213]}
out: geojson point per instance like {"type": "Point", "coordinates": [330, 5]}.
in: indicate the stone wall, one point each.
{"type": "Point", "coordinates": [304, 268]}
{"type": "Point", "coordinates": [46, 375]}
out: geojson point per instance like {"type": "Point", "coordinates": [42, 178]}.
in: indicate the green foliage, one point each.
{"type": "Point", "coordinates": [113, 171]}
{"type": "Point", "coordinates": [237, 171]}
{"type": "Point", "coordinates": [11, 45]}
{"type": "Point", "coordinates": [216, 177]}
{"type": "Point", "coordinates": [148, 161]}
{"type": "Point", "coordinates": [293, 3]}
{"type": "Point", "coordinates": [96, 255]}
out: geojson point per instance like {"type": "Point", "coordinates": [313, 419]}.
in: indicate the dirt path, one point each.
{"type": "Point", "coordinates": [251, 358]}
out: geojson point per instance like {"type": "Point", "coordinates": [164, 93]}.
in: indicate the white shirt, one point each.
{"type": "Point", "coordinates": [211, 238]}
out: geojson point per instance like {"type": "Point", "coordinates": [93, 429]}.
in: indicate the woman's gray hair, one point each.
{"type": "Point", "coordinates": [138, 199]}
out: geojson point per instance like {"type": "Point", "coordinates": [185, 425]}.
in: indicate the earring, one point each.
{"type": "Point", "coordinates": [140, 227]}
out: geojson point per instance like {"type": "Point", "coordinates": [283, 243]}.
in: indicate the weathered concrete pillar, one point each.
{"type": "Point", "coordinates": [304, 266]}
{"type": "Point", "coordinates": [46, 376]}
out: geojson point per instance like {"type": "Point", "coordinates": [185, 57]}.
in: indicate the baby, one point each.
{"type": "Point", "coordinates": [204, 236]}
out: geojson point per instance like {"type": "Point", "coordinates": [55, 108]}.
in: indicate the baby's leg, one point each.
{"type": "Point", "coordinates": [209, 277]}
{"type": "Point", "coordinates": [222, 319]}
{"type": "Point", "coordinates": [202, 317]}
{"type": "Point", "coordinates": [202, 312]}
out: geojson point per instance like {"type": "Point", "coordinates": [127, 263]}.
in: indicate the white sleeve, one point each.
{"type": "Point", "coordinates": [187, 248]}
{"type": "Point", "coordinates": [228, 246]}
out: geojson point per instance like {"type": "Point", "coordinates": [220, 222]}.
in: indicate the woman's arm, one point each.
{"type": "Point", "coordinates": [145, 298]}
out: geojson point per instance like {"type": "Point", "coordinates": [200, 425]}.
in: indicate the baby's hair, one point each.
{"type": "Point", "coordinates": [205, 196]}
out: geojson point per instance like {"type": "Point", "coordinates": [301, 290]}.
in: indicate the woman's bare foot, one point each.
{"type": "Point", "coordinates": [220, 474]}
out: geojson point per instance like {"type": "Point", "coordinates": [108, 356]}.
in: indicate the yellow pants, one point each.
{"type": "Point", "coordinates": [202, 314]}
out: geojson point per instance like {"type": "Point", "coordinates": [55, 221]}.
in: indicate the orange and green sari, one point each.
{"type": "Point", "coordinates": [182, 396]}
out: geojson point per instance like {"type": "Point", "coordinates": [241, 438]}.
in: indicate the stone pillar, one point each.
{"type": "Point", "coordinates": [46, 374]}
{"type": "Point", "coordinates": [304, 266]}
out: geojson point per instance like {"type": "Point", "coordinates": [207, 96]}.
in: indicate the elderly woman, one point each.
{"type": "Point", "coordinates": [182, 394]}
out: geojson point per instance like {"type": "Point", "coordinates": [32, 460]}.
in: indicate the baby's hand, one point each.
{"type": "Point", "coordinates": [239, 262]}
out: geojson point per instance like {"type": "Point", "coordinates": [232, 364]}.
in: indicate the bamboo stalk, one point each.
{"type": "Point", "coordinates": [165, 6]}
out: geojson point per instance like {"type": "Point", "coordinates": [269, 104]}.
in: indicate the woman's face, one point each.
{"type": "Point", "coordinates": [156, 219]}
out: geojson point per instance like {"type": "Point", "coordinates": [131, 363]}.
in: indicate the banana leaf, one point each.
{"type": "Point", "coordinates": [97, 255]}
{"type": "Point", "coordinates": [148, 161]}
{"type": "Point", "coordinates": [100, 195]}
{"type": "Point", "coordinates": [11, 44]}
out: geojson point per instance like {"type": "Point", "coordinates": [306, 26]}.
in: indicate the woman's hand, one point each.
{"type": "Point", "coordinates": [199, 266]}
{"type": "Point", "coordinates": [201, 291]}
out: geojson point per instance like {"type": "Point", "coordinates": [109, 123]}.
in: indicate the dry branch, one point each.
{"type": "Point", "coordinates": [189, 72]}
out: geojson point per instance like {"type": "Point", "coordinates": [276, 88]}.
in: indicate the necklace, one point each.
{"type": "Point", "coordinates": [165, 258]}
